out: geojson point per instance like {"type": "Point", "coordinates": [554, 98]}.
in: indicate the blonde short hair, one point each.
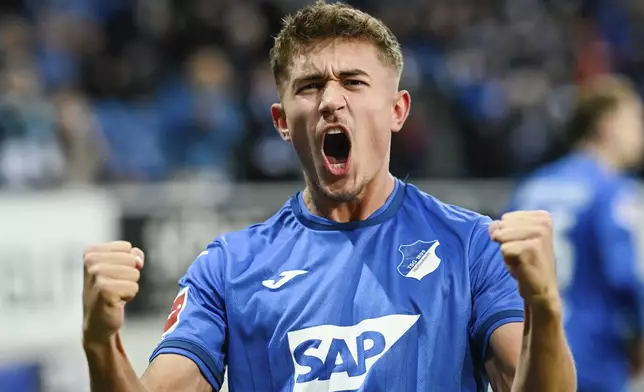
{"type": "Point", "coordinates": [323, 21]}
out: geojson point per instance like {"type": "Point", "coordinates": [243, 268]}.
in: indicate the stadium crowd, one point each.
{"type": "Point", "coordinates": [96, 91]}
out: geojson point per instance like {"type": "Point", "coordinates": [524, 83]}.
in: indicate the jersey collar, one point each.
{"type": "Point", "coordinates": [315, 222]}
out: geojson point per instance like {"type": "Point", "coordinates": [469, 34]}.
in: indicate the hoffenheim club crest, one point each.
{"type": "Point", "coordinates": [418, 259]}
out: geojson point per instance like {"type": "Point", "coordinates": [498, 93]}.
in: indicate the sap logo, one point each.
{"type": "Point", "coordinates": [334, 358]}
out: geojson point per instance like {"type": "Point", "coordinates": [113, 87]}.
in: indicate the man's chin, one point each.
{"type": "Point", "coordinates": [341, 190]}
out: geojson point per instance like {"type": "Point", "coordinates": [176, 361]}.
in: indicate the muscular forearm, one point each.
{"type": "Point", "coordinates": [546, 362]}
{"type": "Point", "coordinates": [109, 368]}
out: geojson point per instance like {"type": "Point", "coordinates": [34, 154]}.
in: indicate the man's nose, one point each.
{"type": "Point", "coordinates": [332, 99]}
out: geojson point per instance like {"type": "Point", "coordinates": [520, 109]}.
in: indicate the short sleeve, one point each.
{"type": "Point", "coordinates": [495, 295]}
{"type": "Point", "coordinates": [196, 326]}
{"type": "Point", "coordinates": [618, 224]}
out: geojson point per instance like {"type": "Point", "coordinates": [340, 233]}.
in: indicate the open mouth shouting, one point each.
{"type": "Point", "coordinates": [336, 149]}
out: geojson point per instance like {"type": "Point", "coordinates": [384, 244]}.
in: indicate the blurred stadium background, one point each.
{"type": "Point", "coordinates": [148, 120]}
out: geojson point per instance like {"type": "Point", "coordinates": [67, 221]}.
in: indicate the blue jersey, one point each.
{"type": "Point", "coordinates": [594, 217]}
{"type": "Point", "coordinates": [405, 300]}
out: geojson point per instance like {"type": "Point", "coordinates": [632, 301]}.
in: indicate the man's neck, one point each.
{"type": "Point", "coordinates": [373, 196]}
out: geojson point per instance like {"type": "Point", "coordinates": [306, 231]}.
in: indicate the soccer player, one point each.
{"type": "Point", "coordinates": [592, 204]}
{"type": "Point", "coordinates": [359, 282]}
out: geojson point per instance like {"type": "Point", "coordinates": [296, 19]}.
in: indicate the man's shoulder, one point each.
{"type": "Point", "coordinates": [438, 208]}
{"type": "Point", "coordinates": [263, 231]}
{"type": "Point", "coordinates": [444, 215]}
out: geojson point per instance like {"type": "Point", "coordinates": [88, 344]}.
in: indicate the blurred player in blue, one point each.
{"type": "Point", "coordinates": [592, 203]}
{"type": "Point", "coordinates": [360, 282]}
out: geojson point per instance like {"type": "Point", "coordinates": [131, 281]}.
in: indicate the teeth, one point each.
{"type": "Point", "coordinates": [337, 165]}
{"type": "Point", "coordinates": [334, 131]}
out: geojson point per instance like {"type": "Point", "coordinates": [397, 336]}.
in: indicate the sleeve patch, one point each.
{"type": "Point", "coordinates": [178, 306]}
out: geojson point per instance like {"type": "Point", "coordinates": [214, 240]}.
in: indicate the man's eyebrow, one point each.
{"type": "Point", "coordinates": [308, 78]}
{"type": "Point", "coordinates": [353, 72]}
{"type": "Point", "coordinates": [319, 76]}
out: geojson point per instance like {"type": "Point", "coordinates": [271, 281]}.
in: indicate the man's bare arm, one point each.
{"type": "Point", "coordinates": [531, 357]}
{"type": "Point", "coordinates": [545, 362]}
{"type": "Point", "coordinates": [503, 356]}
{"type": "Point", "coordinates": [111, 275]}
{"type": "Point", "coordinates": [110, 370]}
{"type": "Point", "coordinates": [170, 372]}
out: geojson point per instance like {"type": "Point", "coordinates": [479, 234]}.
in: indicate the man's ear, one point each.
{"type": "Point", "coordinates": [400, 110]}
{"type": "Point", "coordinates": [279, 121]}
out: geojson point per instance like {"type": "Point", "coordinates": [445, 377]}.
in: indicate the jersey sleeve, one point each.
{"type": "Point", "coordinates": [196, 326]}
{"type": "Point", "coordinates": [495, 296]}
{"type": "Point", "coordinates": [618, 224]}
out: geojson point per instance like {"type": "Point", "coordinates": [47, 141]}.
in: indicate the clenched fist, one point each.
{"type": "Point", "coordinates": [526, 244]}
{"type": "Point", "coordinates": [112, 272]}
